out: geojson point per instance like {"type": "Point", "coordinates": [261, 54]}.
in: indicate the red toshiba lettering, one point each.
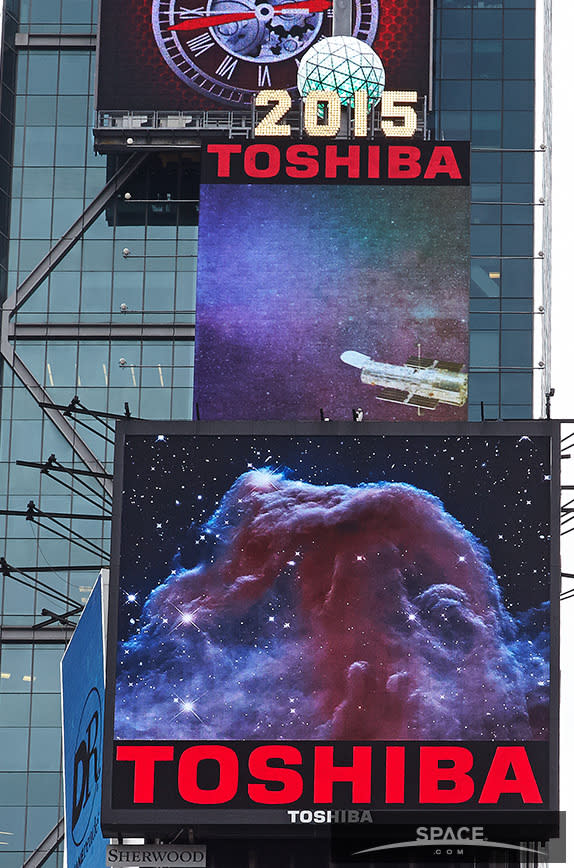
{"type": "Point", "coordinates": [374, 161]}
{"type": "Point", "coordinates": [431, 774]}
{"type": "Point", "coordinates": [359, 773]}
{"type": "Point", "coordinates": [395, 775]}
{"type": "Point", "coordinates": [145, 758]}
{"type": "Point", "coordinates": [290, 780]}
{"type": "Point", "coordinates": [302, 163]}
{"type": "Point", "coordinates": [523, 781]}
{"type": "Point", "coordinates": [189, 788]}
{"type": "Point", "coordinates": [272, 161]}
{"type": "Point", "coordinates": [404, 161]}
{"type": "Point", "coordinates": [223, 153]}
{"type": "Point", "coordinates": [333, 161]}
{"type": "Point", "coordinates": [442, 161]}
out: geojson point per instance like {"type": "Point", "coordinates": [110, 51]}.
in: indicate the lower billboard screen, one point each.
{"type": "Point", "coordinates": [340, 617]}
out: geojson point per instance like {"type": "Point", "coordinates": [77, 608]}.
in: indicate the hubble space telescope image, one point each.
{"type": "Point", "coordinates": [421, 382]}
{"type": "Point", "coordinates": [279, 284]}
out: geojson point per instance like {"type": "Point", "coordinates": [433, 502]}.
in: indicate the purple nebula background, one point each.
{"type": "Point", "coordinates": [333, 611]}
{"type": "Point", "coordinates": [290, 277]}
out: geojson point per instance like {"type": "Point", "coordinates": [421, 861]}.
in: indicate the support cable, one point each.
{"type": "Point", "coordinates": [7, 570]}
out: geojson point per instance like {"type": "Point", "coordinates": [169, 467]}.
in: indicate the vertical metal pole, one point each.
{"type": "Point", "coordinates": [342, 26]}
{"type": "Point", "coordinates": [342, 17]}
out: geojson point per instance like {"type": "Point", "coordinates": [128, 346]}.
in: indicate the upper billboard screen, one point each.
{"type": "Point", "coordinates": [175, 55]}
{"type": "Point", "coordinates": [333, 277]}
{"type": "Point", "coordinates": [348, 616]}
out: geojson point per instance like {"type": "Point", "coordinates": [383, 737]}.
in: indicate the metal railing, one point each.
{"type": "Point", "coordinates": [239, 121]}
{"type": "Point", "coordinates": [236, 122]}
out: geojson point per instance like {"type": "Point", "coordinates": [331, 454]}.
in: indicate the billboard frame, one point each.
{"type": "Point", "coordinates": [123, 822]}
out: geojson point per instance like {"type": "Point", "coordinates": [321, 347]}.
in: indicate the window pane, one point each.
{"type": "Point", "coordinates": [486, 95]}
{"type": "Point", "coordinates": [455, 95]}
{"type": "Point", "coordinates": [485, 240]}
{"type": "Point", "coordinates": [13, 788]}
{"type": "Point", "coordinates": [484, 349]}
{"type": "Point", "coordinates": [70, 146]}
{"type": "Point", "coordinates": [45, 12]}
{"type": "Point", "coordinates": [37, 183]}
{"type": "Point", "coordinates": [484, 280]}
{"type": "Point", "coordinates": [519, 58]}
{"type": "Point", "coordinates": [14, 748]}
{"type": "Point", "coordinates": [42, 69]}
{"type": "Point", "coordinates": [518, 129]}
{"type": "Point", "coordinates": [455, 58]}
{"type": "Point", "coordinates": [487, 59]}
{"type": "Point", "coordinates": [519, 95]}
{"type": "Point", "coordinates": [16, 666]}
{"type": "Point", "coordinates": [517, 349]}
{"type": "Point", "coordinates": [40, 110]}
{"type": "Point", "coordinates": [45, 748]}
{"type": "Point", "coordinates": [517, 240]}
{"type": "Point", "coordinates": [487, 23]}
{"type": "Point", "coordinates": [455, 23]}
{"type": "Point", "coordinates": [47, 668]}
{"type": "Point", "coordinates": [486, 167]}
{"type": "Point", "coordinates": [74, 72]}
{"type": "Point", "coordinates": [483, 387]}
{"type": "Point", "coordinates": [517, 388]}
{"type": "Point", "coordinates": [77, 11]}
{"type": "Point", "coordinates": [39, 146]}
{"type": "Point", "coordinates": [15, 709]}
{"type": "Point", "coordinates": [486, 128]}
{"type": "Point", "coordinates": [455, 125]}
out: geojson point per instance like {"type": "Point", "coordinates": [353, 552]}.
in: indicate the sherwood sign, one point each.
{"type": "Point", "coordinates": [160, 855]}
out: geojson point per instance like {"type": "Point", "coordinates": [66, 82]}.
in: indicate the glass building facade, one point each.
{"type": "Point", "coordinates": [484, 91]}
{"type": "Point", "coordinates": [113, 321]}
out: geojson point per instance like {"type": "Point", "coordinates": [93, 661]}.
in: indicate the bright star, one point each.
{"type": "Point", "coordinates": [186, 618]}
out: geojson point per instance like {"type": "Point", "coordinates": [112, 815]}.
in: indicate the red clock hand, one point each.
{"type": "Point", "coordinates": [311, 5]}
{"type": "Point", "coordinates": [212, 20]}
{"type": "Point", "coordinates": [203, 21]}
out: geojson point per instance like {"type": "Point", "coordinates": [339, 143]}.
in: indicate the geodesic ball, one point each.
{"type": "Point", "coordinates": [342, 64]}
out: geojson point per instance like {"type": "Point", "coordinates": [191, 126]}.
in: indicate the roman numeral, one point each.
{"type": "Point", "coordinates": [200, 43]}
{"type": "Point", "coordinates": [191, 13]}
{"type": "Point", "coordinates": [263, 76]}
{"type": "Point", "coordinates": [227, 66]}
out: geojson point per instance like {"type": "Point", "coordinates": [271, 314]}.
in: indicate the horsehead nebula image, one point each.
{"type": "Point", "coordinates": [328, 587]}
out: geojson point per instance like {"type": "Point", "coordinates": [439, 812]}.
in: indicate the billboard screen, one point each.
{"type": "Point", "coordinates": [331, 617]}
{"type": "Point", "coordinates": [333, 277]}
{"type": "Point", "coordinates": [172, 55]}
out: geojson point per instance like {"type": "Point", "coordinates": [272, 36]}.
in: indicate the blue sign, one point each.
{"type": "Point", "coordinates": [83, 720]}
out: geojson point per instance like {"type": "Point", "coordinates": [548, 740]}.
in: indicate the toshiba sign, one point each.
{"type": "Point", "coordinates": [304, 775]}
{"type": "Point", "coordinates": [393, 162]}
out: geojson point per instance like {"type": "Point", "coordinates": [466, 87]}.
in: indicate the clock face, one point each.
{"type": "Point", "coordinates": [230, 49]}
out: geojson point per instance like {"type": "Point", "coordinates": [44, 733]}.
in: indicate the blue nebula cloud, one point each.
{"type": "Point", "coordinates": [335, 611]}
